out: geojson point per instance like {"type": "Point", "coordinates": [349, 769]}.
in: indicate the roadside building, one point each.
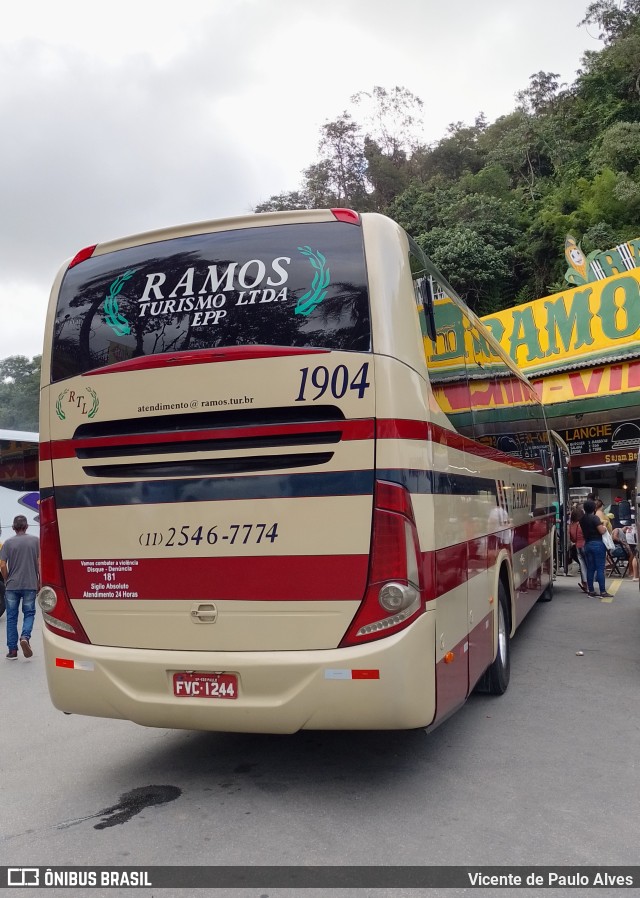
{"type": "Point", "coordinates": [581, 350]}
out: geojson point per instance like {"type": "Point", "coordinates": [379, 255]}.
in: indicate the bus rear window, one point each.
{"type": "Point", "coordinates": [295, 285]}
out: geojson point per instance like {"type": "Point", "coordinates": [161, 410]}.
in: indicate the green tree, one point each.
{"type": "Point", "coordinates": [455, 155]}
{"type": "Point", "coordinates": [294, 199]}
{"type": "Point", "coordinates": [360, 167]}
{"type": "Point", "coordinates": [619, 148]}
{"type": "Point", "coordinates": [342, 166]}
{"type": "Point", "coordinates": [392, 121]}
{"type": "Point", "coordinates": [19, 392]}
{"type": "Point", "coordinates": [608, 85]}
{"type": "Point", "coordinates": [474, 265]}
{"type": "Point", "coordinates": [614, 20]}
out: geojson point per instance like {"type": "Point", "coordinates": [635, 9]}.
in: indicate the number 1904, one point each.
{"type": "Point", "coordinates": [337, 382]}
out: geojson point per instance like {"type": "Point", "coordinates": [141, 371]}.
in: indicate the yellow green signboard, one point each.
{"type": "Point", "coordinates": [590, 325]}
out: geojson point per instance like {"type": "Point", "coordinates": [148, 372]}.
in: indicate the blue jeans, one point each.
{"type": "Point", "coordinates": [13, 597]}
{"type": "Point", "coordinates": [596, 557]}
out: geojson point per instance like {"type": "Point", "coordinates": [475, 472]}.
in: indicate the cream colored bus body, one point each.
{"type": "Point", "coordinates": [285, 652]}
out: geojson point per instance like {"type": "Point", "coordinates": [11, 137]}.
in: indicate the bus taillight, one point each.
{"type": "Point", "coordinates": [83, 254]}
{"type": "Point", "coordinates": [347, 215]}
{"type": "Point", "coordinates": [395, 590]}
{"type": "Point", "coordinates": [57, 611]}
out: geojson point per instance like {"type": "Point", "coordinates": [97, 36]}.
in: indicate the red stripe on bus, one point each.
{"type": "Point", "coordinates": [287, 578]}
{"type": "Point", "coordinates": [202, 357]}
{"type": "Point", "coordinates": [358, 429]}
{"type": "Point", "coordinates": [402, 429]}
{"type": "Point", "coordinates": [293, 577]}
{"type": "Point", "coordinates": [451, 568]}
{"type": "Point", "coordinates": [405, 429]}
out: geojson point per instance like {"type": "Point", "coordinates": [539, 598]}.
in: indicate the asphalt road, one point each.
{"type": "Point", "coordinates": [545, 775]}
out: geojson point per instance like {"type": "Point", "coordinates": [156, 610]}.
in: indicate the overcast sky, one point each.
{"type": "Point", "coordinates": [138, 114]}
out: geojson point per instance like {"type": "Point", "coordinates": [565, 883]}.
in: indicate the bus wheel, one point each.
{"type": "Point", "coordinates": [500, 670]}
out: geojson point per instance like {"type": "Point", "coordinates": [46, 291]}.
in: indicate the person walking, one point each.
{"type": "Point", "coordinates": [20, 566]}
{"type": "Point", "coordinates": [2, 588]}
{"type": "Point", "coordinates": [594, 549]}
{"type": "Point", "coordinates": [577, 542]}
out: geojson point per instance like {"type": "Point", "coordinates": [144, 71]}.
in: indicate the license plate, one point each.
{"type": "Point", "coordinates": [205, 685]}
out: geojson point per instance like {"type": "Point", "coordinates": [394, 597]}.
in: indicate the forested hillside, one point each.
{"type": "Point", "coordinates": [491, 203]}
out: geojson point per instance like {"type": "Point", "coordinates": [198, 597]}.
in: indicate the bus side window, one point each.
{"type": "Point", "coordinates": [424, 294]}
{"type": "Point", "coordinates": [423, 290]}
{"type": "Point", "coordinates": [446, 361]}
{"type": "Point", "coordinates": [487, 399]}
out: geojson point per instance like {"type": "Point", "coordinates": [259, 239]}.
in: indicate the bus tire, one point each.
{"type": "Point", "coordinates": [499, 672]}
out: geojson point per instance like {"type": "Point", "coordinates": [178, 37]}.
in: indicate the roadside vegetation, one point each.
{"type": "Point", "coordinates": [19, 393]}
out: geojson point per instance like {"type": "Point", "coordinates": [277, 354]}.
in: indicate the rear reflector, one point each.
{"type": "Point", "coordinates": [347, 674]}
{"type": "Point", "coordinates": [72, 664]}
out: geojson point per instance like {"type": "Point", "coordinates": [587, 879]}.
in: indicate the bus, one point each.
{"type": "Point", "coordinates": [18, 480]}
{"type": "Point", "coordinates": [288, 481]}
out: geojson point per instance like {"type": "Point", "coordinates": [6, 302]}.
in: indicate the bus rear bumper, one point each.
{"type": "Point", "coordinates": [387, 684]}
